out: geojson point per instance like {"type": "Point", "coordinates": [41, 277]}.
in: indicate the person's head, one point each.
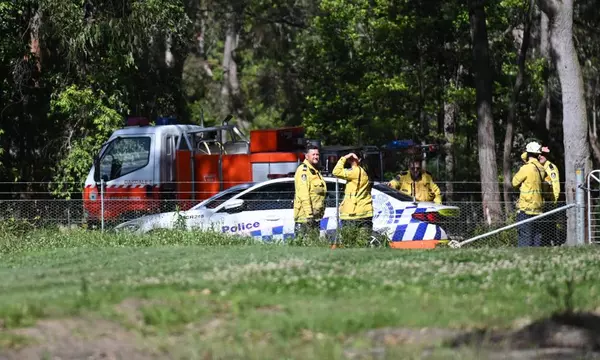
{"type": "Point", "coordinates": [534, 150]}
{"type": "Point", "coordinates": [355, 161]}
{"type": "Point", "coordinates": [312, 154]}
{"type": "Point", "coordinates": [415, 169]}
{"type": "Point", "coordinates": [543, 155]}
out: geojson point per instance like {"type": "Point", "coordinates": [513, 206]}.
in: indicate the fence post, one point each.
{"type": "Point", "coordinates": [102, 204]}
{"type": "Point", "coordinates": [580, 208]}
{"type": "Point", "coordinates": [337, 211]}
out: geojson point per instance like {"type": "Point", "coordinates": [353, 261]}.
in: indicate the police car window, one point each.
{"type": "Point", "coordinates": [219, 198]}
{"type": "Point", "coordinates": [276, 196]}
{"type": "Point", "coordinates": [124, 156]}
{"type": "Point", "coordinates": [392, 192]}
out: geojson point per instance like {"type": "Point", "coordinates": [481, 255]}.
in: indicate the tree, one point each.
{"type": "Point", "coordinates": [485, 123]}
{"type": "Point", "coordinates": [512, 109]}
{"type": "Point", "coordinates": [575, 123]}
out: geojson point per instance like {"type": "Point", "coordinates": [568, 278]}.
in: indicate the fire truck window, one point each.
{"type": "Point", "coordinates": [277, 196]}
{"type": "Point", "coordinates": [169, 148]}
{"type": "Point", "coordinates": [124, 156]}
{"type": "Point", "coordinates": [183, 145]}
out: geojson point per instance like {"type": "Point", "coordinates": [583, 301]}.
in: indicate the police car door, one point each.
{"type": "Point", "coordinates": [266, 214]}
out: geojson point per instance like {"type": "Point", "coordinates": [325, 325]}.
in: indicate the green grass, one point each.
{"type": "Point", "coordinates": [279, 301]}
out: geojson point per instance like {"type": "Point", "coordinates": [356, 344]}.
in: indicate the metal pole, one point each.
{"type": "Point", "coordinates": [102, 204]}
{"type": "Point", "coordinates": [459, 244]}
{"type": "Point", "coordinates": [337, 210]}
{"type": "Point", "coordinates": [580, 201]}
{"type": "Point", "coordinates": [589, 201]}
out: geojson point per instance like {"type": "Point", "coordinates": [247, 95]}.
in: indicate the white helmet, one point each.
{"type": "Point", "coordinates": [534, 148]}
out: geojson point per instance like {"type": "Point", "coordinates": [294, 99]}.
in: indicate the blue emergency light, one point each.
{"type": "Point", "coordinates": [166, 120]}
{"type": "Point", "coordinates": [400, 144]}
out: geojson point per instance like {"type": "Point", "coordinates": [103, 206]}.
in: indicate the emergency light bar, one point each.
{"type": "Point", "coordinates": [136, 121]}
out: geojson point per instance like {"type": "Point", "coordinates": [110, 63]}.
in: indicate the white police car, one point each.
{"type": "Point", "coordinates": [265, 211]}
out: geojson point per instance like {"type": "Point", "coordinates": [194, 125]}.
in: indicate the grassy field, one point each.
{"type": "Point", "coordinates": [204, 296]}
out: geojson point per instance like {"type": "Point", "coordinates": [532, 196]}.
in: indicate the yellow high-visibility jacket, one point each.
{"type": "Point", "coordinates": [309, 198]}
{"type": "Point", "coordinates": [423, 189]}
{"type": "Point", "coordinates": [552, 178]}
{"type": "Point", "coordinates": [358, 202]}
{"type": "Point", "coordinates": [530, 181]}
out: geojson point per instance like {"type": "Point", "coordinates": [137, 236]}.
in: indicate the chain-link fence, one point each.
{"type": "Point", "coordinates": [593, 206]}
{"type": "Point", "coordinates": [34, 206]}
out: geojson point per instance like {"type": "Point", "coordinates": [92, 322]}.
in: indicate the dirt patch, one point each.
{"type": "Point", "coordinates": [566, 335]}
{"type": "Point", "coordinates": [130, 309]}
{"type": "Point", "coordinates": [80, 338]}
{"type": "Point", "coordinates": [568, 330]}
{"type": "Point", "coordinates": [270, 309]}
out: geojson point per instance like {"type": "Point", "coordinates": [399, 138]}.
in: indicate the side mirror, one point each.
{"type": "Point", "coordinates": [96, 169]}
{"type": "Point", "coordinates": [233, 204]}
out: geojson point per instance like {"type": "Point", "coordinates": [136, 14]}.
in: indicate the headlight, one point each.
{"type": "Point", "coordinates": [449, 212]}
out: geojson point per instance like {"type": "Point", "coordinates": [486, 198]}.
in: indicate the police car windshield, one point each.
{"type": "Point", "coordinates": [392, 192]}
{"type": "Point", "coordinates": [219, 198]}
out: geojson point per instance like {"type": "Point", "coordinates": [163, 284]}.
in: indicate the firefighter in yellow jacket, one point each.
{"type": "Point", "coordinates": [357, 207]}
{"type": "Point", "coordinates": [417, 183]}
{"type": "Point", "coordinates": [530, 182]}
{"type": "Point", "coordinates": [552, 177]}
{"type": "Point", "coordinates": [553, 224]}
{"type": "Point", "coordinates": [310, 191]}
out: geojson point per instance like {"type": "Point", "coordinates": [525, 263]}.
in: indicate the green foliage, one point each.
{"type": "Point", "coordinates": [349, 71]}
{"type": "Point", "coordinates": [93, 117]}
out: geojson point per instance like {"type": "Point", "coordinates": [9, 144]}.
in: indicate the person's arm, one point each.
{"type": "Point", "coordinates": [346, 174]}
{"type": "Point", "coordinates": [555, 180]}
{"type": "Point", "coordinates": [394, 183]}
{"type": "Point", "coordinates": [438, 193]}
{"type": "Point", "coordinates": [519, 177]}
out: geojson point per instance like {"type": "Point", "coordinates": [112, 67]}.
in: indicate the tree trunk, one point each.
{"type": "Point", "coordinates": [169, 58]}
{"type": "Point", "coordinates": [34, 42]}
{"type": "Point", "coordinates": [201, 37]}
{"type": "Point", "coordinates": [512, 109]}
{"type": "Point", "coordinates": [490, 191]}
{"type": "Point", "coordinates": [545, 52]}
{"type": "Point", "coordinates": [575, 123]}
{"type": "Point", "coordinates": [593, 130]}
{"type": "Point", "coordinates": [230, 89]}
{"type": "Point", "coordinates": [227, 54]}
{"type": "Point", "coordinates": [450, 111]}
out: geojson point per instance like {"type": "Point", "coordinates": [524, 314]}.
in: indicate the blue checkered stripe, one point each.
{"type": "Point", "coordinates": [406, 228]}
{"type": "Point", "coordinates": [414, 230]}
{"type": "Point", "coordinates": [277, 233]}
{"type": "Point", "coordinates": [282, 233]}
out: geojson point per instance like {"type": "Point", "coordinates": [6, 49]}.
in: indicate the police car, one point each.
{"type": "Point", "coordinates": [265, 211]}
